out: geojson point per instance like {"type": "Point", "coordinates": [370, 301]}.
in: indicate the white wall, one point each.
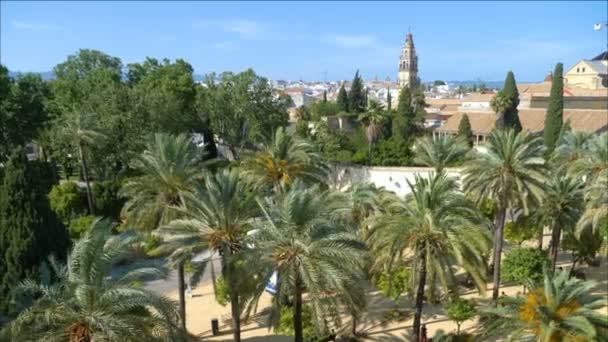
{"type": "Point", "coordinates": [391, 178]}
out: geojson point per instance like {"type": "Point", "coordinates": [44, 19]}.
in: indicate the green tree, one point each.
{"type": "Point", "coordinates": [439, 152]}
{"type": "Point", "coordinates": [311, 251]}
{"type": "Point", "coordinates": [558, 309]}
{"type": "Point", "coordinates": [29, 230]}
{"type": "Point", "coordinates": [23, 110]}
{"type": "Point", "coordinates": [285, 160]}
{"type": "Point", "coordinates": [525, 264]}
{"type": "Point", "coordinates": [87, 302]}
{"type": "Point", "coordinates": [216, 216]}
{"type": "Point", "coordinates": [460, 310]}
{"type": "Point", "coordinates": [560, 209]}
{"type": "Point", "coordinates": [512, 172]}
{"type": "Point", "coordinates": [501, 104]}
{"type": "Point", "coordinates": [342, 100]}
{"type": "Point", "coordinates": [167, 167]}
{"type": "Point", "coordinates": [324, 95]}
{"type": "Point", "coordinates": [389, 99]}
{"type": "Point", "coordinates": [68, 201]}
{"type": "Point", "coordinates": [242, 109]}
{"type": "Point", "coordinates": [439, 229]}
{"type": "Point", "coordinates": [555, 110]}
{"type": "Point", "coordinates": [373, 119]}
{"type": "Point", "coordinates": [356, 95]}
{"type": "Point", "coordinates": [438, 83]}
{"type": "Point", "coordinates": [509, 90]}
{"type": "Point", "coordinates": [464, 131]}
{"type": "Point", "coordinates": [409, 117]}
{"type": "Point", "coordinates": [79, 129]}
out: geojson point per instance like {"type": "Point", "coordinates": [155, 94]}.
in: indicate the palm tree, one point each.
{"type": "Point", "coordinates": [87, 302]}
{"type": "Point", "coordinates": [286, 159]}
{"type": "Point", "coordinates": [572, 147]}
{"type": "Point", "coordinates": [511, 172]}
{"type": "Point", "coordinates": [373, 118]}
{"type": "Point", "coordinates": [168, 167]}
{"type": "Point", "coordinates": [310, 250]}
{"type": "Point", "coordinates": [560, 309]}
{"type": "Point", "coordinates": [439, 152]}
{"type": "Point", "coordinates": [79, 129]}
{"type": "Point", "coordinates": [500, 104]}
{"type": "Point", "coordinates": [436, 229]}
{"type": "Point", "coordinates": [216, 216]}
{"type": "Point", "coordinates": [560, 208]}
{"type": "Point", "coordinates": [595, 213]}
{"type": "Point", "coordinates": [595, 160]}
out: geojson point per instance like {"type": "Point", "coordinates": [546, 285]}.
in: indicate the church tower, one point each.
{"type": "Point", "coordinates": [408, 63]}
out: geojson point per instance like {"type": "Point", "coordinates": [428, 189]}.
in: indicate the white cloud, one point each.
{"type": "Point", "coordinates": [26, 25]}
{"type": "Point", "coordinates": [351, 41]}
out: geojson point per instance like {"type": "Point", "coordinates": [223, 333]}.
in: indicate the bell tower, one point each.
{"type": "Point", "coordinates": [408, 63]}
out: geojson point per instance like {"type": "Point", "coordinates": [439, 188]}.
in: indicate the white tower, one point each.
{"type": "Point", "coordinates": [408, 63]}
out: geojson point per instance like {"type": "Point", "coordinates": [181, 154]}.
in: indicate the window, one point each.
{"type": "Point", "coordinates": [583, 69]}
{"type": "Point", "coordinates": [578, 70]}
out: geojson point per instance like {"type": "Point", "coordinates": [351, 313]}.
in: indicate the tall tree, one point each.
{"type": "Point", "coordinates": [509, 90]}
{"type": "Point", "coordinates": [23, 110]}
{"type": "Point", "coordinates": [512, 172]}
{"type": "Point", "coordinates": [373, 119]}
{"type": "Point", "coordinates": [80, 130]}
{"type": "Point", "coordinates": [436, 229]}
{"type": "Point", "coordinates": [29, 230]}
{"type": "Point", "coordinates": [87, 302]}
{"type": "Point", "coordinates": [311, 252]}
{"type": "Point", "coordinates": [324, 96]}
{"type": "Point", "coordinates": [464, 131]}
{"type": "Point", "coordinates": [168, 166]}
{"type": "Point", "coordinates": [342, 100]}
{"type": "Point", "coordinates": [389, 99]}
{"type": "Point", "coordinates": [356, 95]}
{"type": "Point", "coordinates": [242, 109]}
{"type": "Point", "coordinates": [500, 104]}
{"type": "Point", "coordinates": [216, 217]}
{"type": "Point", "coordinates": [555, 110]}
{"type": "Point", "coordinates": [409, 118]}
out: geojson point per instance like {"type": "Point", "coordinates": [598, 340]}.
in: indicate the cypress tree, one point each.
{"type": "Point", "coordinates": [464, 130]}
{"type": "Point", "coordinates": [356, 95]}
{"type": "Point", "coordinates": [389, 99]}
{"type": "Point", "coordinates": [29, 230]}
{"type": "Point", "coordinates": [407, 122]}
{"type": "Point", "coordinates": [555, 110]}
{"type": "Point", "coordinates": [324, 96]}
{"type": "Point", "coordinates": [511, 118]}
{"type": "Point", "coordinates": [342, 100]}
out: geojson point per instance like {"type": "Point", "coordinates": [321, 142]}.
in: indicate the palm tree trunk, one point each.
{"type": "Point", "coordinates": [419, 297]}
{"type": "Point", "coordinates": [85, 173]}
{"type": "Point", "coordinates": [369, 153]}
{"type": "Point", "coordinates": [182, 297]}
{"type": "Point", "coordinates": [354, 326]}
{"type": "Point", "coordinates": [498, 240]}
{"type": "Point", "coordinates": [213, 278]}
{"type": "Point", "coordinates": [234, 303]}
{"type": "Point", "coordinates": [297, 312]}
{"type": "Point", "coordinates": [541, 235]}
{"type": "Point", "coordinates": [556, 233]}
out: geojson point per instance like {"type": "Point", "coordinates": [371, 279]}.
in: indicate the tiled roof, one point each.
{"type": "Point", "coordinates": [533, 120]}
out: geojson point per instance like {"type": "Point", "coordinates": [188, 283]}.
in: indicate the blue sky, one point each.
{"type": "Point", "coordinates": [282, 40]}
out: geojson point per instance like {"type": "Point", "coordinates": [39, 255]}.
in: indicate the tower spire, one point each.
{"type": "Point", "coordinates": [408, 62]}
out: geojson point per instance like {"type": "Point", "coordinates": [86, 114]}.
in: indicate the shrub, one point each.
{"type": "Point", "coordinates": [517, 233]}
{"type": "Point", "coordinates": [107, 201]}
{"type": "Point", "coordinates": [284, 326]}
{"type": "Point", "coordinates": [246, 283]}
{"type": "Point", "coordinates": [80, 225]}
{"type": "Point", "coordinates": [399, 283]}
{"type": "Point", "coordinates": [522, 264]}
{"type": "Point", "coordinates": [68, 201]}
{"type": "Point", "coordinates": [393, 151]}
{"type": "Point", "coordinates": [460, 310]}
{"type": "Point", "coordinates": [151, 243]}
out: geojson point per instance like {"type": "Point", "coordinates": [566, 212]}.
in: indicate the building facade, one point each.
{"type": "Point", "coordinates": [408, 63]}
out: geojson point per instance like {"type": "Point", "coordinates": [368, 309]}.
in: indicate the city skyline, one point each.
{"type": "Point", "coordinates": [311, 41]}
